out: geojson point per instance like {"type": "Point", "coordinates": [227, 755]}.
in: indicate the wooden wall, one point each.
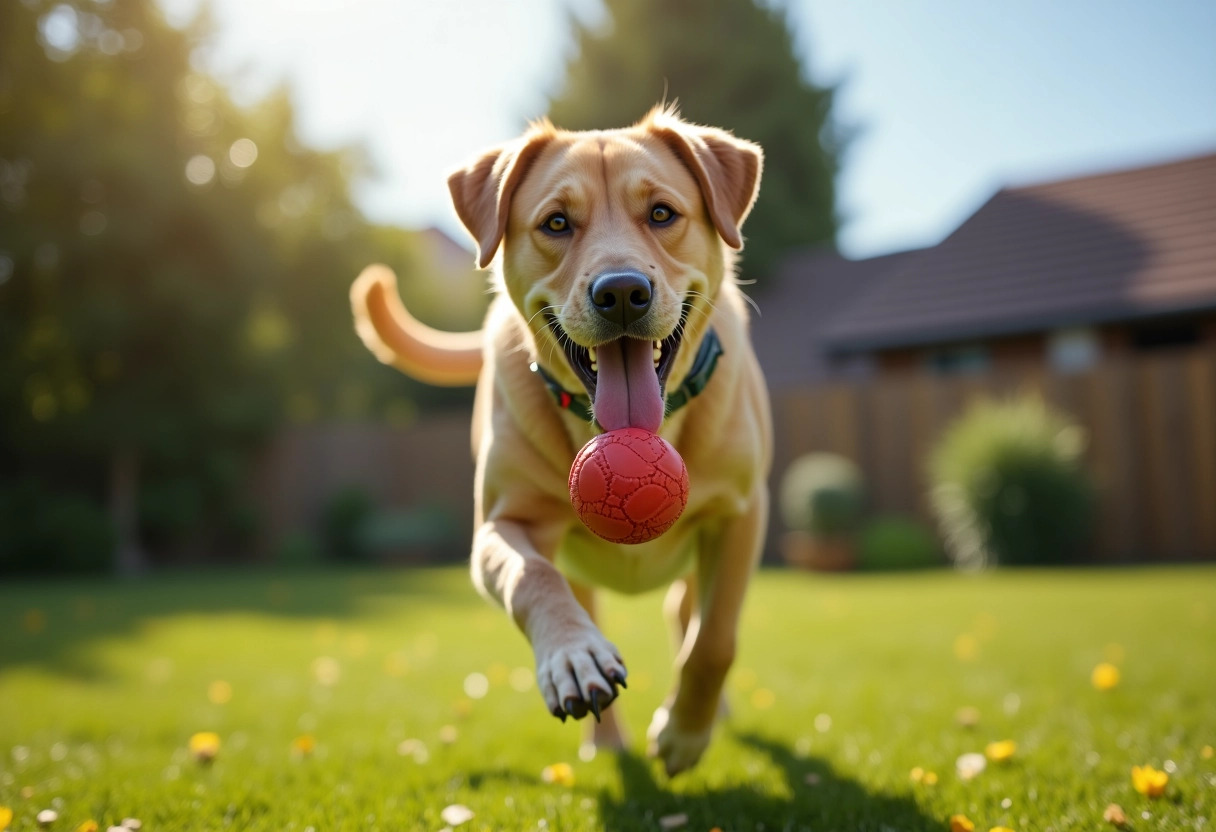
{"type": "Point", "coordinates": [1150, 422]}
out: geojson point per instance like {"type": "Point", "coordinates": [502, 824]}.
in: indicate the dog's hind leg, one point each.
{"type": "Point", "coordinates": [678, 605]}
{"type": "Point", "coordinates": [681, 727]}
{"type": "Point", "coordinates": [609, 731]}
{"type": "Point", "coordinates": [677, 609]}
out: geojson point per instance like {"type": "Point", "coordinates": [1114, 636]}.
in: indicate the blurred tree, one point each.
{"type": "Point", "coordinates": [731, 64]}
{"type": "Point", "coordinates": [173, 285]}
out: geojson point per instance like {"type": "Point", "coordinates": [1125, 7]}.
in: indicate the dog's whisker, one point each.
{"type": "Point", "coordinates": [560, 336]}
{"type": "Point", "coordinates": [708, 302]}
{"type": "Point", "coordinates": [747, 298]}
{"type": "Point", "coordinates": [550, 308]}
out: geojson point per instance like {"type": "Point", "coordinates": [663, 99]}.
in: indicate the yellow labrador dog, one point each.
{"type": "Point", "coordinates": [617, 306]}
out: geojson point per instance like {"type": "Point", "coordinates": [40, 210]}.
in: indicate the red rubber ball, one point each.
{"type": "Point", "coordinates": [628, 485]}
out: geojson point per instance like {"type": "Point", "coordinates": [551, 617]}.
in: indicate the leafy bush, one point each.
{"type": "Point", "coordinates": [346, 514]}
{"type": "Point", "coordinates": [44, 531]}
{"type": "Point", "coordinates": [299, 548]}
{"type": "Point", "coordinates": [170, 510]}
{"type": "Point", "coordinates": [1008, 487]}
{"type": "Point", "coordinates": [897, 543]}
{"type": "Point", "coordinates": [822, 494]}
{"type": "Point", "coordinates": [418, 534]}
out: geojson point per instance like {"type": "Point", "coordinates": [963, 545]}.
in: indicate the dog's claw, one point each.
{"type": "Point", "coordinates": [577, 708]}
{"type": "Point", "coordinates": [560, 714]}
{"type": "Point", "coordinates": [595, 703]}
{"type": "Point", "coordinates": [619, 678]}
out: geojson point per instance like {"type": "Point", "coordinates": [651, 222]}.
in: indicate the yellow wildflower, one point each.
{"type": "Point", "coordinates": [303, 745]}
{"type": "Point", "coordinates": [1148, 781]}
{"type": "Point", "coordinates": [396, 664]}
{"type": "Point", "coordinates": [1206, 752]}
{"type": "Point", "coordinates": [1000, 752]}
{"type": "Point", "coordinates": [219, 692]}
{"type": "Point", "coordinates": [763, 698]}
{"type": "Point", "coordinates": [204, 746]}
{"type": "Point", "coordinates": [961, 823]}
{"type": "Point", "coordinates": [966, 647]}
{"type": "Point", "coordinates": [6, 817]}
{"type": "Point", "coordinates": [87, 826]}
{"type": "Point", "coordinates": [560, 773]}
{"type": "Point", "coordinates": [917, 774]}
{"type": "Point", "coordinates": [930, 778]}
{"type": "Point", "coordinates": [1105, 676]}
{"type": "Point", "coordinates": [1000, 829]}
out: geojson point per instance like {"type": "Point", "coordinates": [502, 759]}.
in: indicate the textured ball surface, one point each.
{"type": "Point", "coordinates": [628, 485]}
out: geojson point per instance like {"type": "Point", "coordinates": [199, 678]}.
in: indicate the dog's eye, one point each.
{"type": "Point", "coordinates": [661, 214]}
{"type": "Point", "coordinates": [556, 224]}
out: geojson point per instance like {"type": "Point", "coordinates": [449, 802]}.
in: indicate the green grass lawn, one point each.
{"type": "Point", "coordinates": [843, 686]}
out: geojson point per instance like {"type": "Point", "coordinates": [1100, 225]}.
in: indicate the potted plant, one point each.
{"type": "Point", "coordinates": [822, 503]}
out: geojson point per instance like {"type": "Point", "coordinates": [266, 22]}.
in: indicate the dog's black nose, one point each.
{"type": "Point", "coordinates": [621, 297]}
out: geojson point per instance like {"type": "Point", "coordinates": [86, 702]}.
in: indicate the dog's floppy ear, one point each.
{"type": "Point", "coordinates": [482, 191]}
{"type": "Point", "coordinates": [726, 168]}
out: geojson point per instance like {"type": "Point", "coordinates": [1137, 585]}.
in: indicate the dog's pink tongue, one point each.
{"type": "Point", "coordinates": [627, 387]}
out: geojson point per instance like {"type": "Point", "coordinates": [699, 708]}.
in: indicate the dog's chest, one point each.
{"type": "Point", "coordinates": [627, 569]}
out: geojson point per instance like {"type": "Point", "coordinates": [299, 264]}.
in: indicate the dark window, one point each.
{"type": "Point", "coordinates": [957, 361]}
{"type": "Point", "coordinates": [1164, 335]}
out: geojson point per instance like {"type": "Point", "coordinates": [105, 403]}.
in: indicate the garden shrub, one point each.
{"type": "Point", "coordinates": [298, 548]}
{"type": "Point", "coordinates": [822, 494]}
{"type": "Point", "coordinates": [346, 513]}
{"type": "Point", "coordinates": [47, 531]}
{"type": "Point", "coordinates": [421, 533]}
{"type": "Point", "coordinates": [1008, 486]}
{"type": "Point", "coordinates": [170, 511]}
{"type": "Point", "coordinates": [897, 543]}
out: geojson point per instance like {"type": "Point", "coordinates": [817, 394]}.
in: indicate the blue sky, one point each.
{"type": "Point", "coordinates": [954, 98]}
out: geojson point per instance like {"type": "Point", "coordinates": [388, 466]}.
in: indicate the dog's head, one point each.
{"type": "Point", "coordinates": [615, 244]}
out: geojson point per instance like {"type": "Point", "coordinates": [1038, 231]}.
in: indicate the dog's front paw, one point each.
{"type": "Point", "coordinates": [578, 674]}
{"type": "Point", "coordinates": [678, 747]}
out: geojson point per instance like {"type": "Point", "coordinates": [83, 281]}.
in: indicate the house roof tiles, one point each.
{"type": "Point", "coordinates": [1112, 246]}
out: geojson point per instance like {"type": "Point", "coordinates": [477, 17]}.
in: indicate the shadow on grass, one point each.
{"type": "Point", "coordinates": [52, 624]}
{"type": "Point", "coordinates": [832, 802]}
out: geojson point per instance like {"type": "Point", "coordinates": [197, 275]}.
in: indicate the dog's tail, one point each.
{"type": "Point", "coordinates": [447, 359]}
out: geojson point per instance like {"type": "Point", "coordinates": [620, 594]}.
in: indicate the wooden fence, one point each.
{"type": "Point", "coordinates": [427, 467]}
{"type": "Point", "coordinates": [1150, 423]}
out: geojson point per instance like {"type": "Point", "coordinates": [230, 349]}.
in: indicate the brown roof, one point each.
{"type": "Point", "coordinates": [1114, 246]}
{"type": "Point", "coordinates": [811, 287]}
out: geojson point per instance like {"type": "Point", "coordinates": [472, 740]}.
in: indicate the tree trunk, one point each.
{"type": "Point", "coordinates": [129, 556]}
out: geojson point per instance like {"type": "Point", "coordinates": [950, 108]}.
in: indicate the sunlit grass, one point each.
{"type": "Point", "coordinates": [369, 700]}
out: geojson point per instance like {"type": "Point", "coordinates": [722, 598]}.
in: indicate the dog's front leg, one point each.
{"type": "Point", "coordinates": [577, 669]}
{"type": "Point", "coordinates": [681, 728]}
